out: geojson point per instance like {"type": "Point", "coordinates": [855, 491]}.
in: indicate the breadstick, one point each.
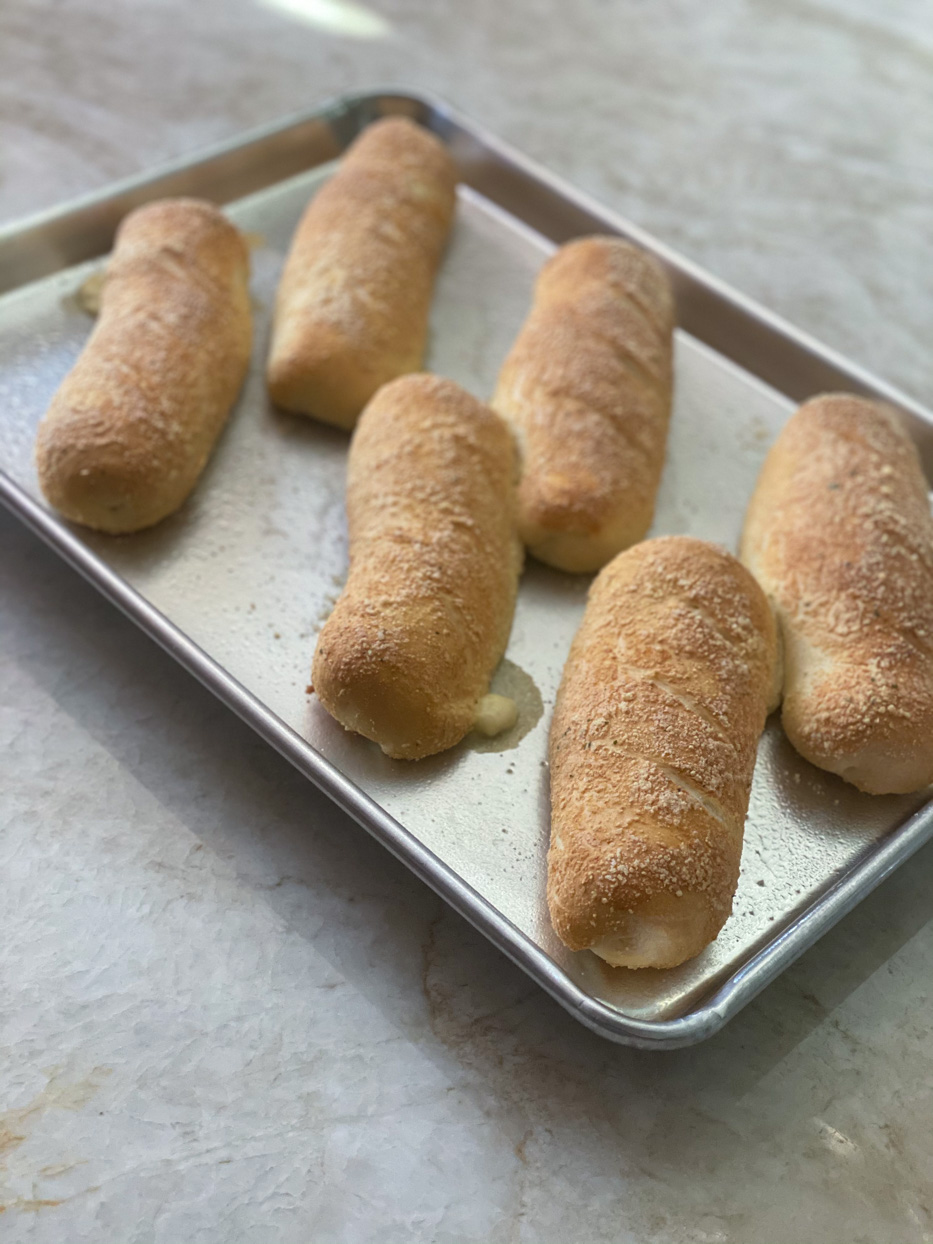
{"type": "Point", "coordinates": [408, 652]}
{"type": "Point", "coordinates": [133, 424]}
{"type": "Point", "coordinates": [587, 388]}
{"type": "Point", "coordinates": [652, 748]}
{"type": "Point", "coordinates": [839, 535]}
{"type": "Point", "coordinates": [352, 307]}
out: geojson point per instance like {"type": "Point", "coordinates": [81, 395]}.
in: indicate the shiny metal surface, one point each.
{"type": "Point", "coordinates": [237, 585]}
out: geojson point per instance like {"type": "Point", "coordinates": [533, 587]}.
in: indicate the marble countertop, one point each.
{"type": "Point", "coordinates": [227, 1014]}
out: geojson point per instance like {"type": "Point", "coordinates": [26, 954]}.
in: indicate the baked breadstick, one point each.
{"type": "Point", "coordinates": [133, 424]}
{"type": "Point", "coordinates": [839, 535]}
{"type": "Point", "coordinates": [352, 308]}
{"type": "Point", "coordinates": [425, 615]}
{"type": "Point", "coordinates": [587, 388]}
{"type": "Point", "coordinates": [652, 747]}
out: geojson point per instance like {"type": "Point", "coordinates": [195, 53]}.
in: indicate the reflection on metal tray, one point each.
{"type": "Point", "coordinates": [238, 583]}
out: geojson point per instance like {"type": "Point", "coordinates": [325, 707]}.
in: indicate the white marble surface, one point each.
{"type": "Point", "coordinates": [226, 1014]}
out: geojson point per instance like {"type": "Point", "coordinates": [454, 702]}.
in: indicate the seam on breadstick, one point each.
{"type": "Point", "coordinates": [654, 320]}
{"type": "Point", "coordinates": [689, 702]}
{"type": "Point", "coordinates": [638, 365]}
{"type": "Point", "coordinates": [677, 776]}
{"type": "Point", "coordinates": [706, 802]}
{"type": "Point", "coordinates": [637, 439]}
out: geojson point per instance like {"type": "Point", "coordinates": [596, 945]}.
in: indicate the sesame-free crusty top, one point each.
{"type": "Point", "coordinates": [652, 750]}
{"type": "Point", "coordinates": [132, 425]}
{"type": "Point", "coordinates": [839, 535]}
{"type": "Point", "coordinates": [352, 307]}
{"type": "Point", "coordinates": [435, 557]}
{"type": "Point", "coordinates": [587, 387]}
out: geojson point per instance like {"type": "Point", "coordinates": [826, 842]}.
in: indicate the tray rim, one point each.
{"type": "Point", "coordinates": [710, 1015]}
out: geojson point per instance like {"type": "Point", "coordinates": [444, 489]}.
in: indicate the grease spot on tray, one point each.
{"type": "Point", "coordinates": [511, 681]}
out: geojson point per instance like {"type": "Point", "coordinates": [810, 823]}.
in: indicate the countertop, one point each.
{"type": "Point", "coordinates": [228, 1016]}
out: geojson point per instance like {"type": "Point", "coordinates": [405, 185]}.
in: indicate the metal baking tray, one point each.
{"type": "Point", "coordinates": [238, 583]}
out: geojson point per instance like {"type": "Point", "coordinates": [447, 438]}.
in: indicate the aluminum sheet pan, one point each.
{"type": "Point", "coordinates": [237, 584]}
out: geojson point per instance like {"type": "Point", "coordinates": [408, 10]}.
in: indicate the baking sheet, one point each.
{"type": "Point", "coordinates": [249, 569]}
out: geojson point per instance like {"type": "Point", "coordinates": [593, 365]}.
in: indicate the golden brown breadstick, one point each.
{"type": "Point", "coordinates": [352, 308]}
{"type": "Point", "coordinates": [839, 535]}
{"type": "Point", "coordinates": [653, 745]}
{"type": "Point", "coordinates": [587, 387]}
{"type": "Point", "coordinates": [133, 424]}
{"type": "Point", "coordinates": [425, 615]}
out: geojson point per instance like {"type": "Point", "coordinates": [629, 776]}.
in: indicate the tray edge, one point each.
{"type": "Point", "coordinates": [739, 989]}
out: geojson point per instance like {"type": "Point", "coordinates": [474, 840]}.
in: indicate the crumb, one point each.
{"type": "Point", "coordinates": [309, 690]}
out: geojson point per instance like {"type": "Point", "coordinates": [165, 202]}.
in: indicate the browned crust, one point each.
{"type": "Point", "coordinates": [133, 424]}
{"type": "Point", "coordinates": [434, 563]}
{"type": "Point", "coordinates": [352, 307]}
{"type": "Point", "coordinates": [587, 387]}
{"type": "Point", "coordinates": [840, 536]}
{"type": "Point", "coordinates": [653, 745]}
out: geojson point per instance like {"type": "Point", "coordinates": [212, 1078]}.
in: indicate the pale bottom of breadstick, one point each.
{"type": "Point", "coordinates": [875, 768]}
{"type": "Point", "coordinates": [872, 770]}
{"type": "Point", "coordinates": [494, 715]}
{"type": "Point", "coordinates": [661, 933]}
{"type": "Point", "coordinates": [328, 380]}
{"type": "Point", "coordinates": [580, 552]}
{"type": "Point", "coordinates": [393, 714]}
